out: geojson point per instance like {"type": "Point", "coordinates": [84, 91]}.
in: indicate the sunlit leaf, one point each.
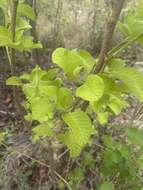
{"type": "Point", "coordinates": [79, 132]}
{"type": "Point", "coordinates": [92, 89]}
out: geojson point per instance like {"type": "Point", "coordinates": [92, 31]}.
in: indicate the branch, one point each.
{"type": "Point", "coordinates": [106, 45]}
{"type": "Point", "coordinates": [107, 41]}
{"type": "Point", "coordinates": [13, 27]}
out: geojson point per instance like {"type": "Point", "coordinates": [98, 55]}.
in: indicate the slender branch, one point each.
{"type": "Point", "coordinates": [14, 5]}
{"type": "Point", "coordinates": [35, 52]}
{"type": "Point", "coordinates": [51, 160]}
{"type": "Point", "coordinates": [12, 57]}
{"type": "Point", "coordinates": [107, 41]}
{"type": "Point", "coordinates": [106, 45]}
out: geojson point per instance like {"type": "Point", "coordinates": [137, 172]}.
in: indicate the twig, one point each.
{"type": "Point", "coordinates": [110, 28]}
{"type": "Point", "coordinates": [7, 113]}
{"type": "Point", "coordinates": [14, 5]}
{"type": "Point", "coordinates": [106, 45]}
{"type": "Point", "coordinates": [61, 155]}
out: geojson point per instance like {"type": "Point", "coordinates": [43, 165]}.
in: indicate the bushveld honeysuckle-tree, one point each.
{"type": "Point", "coordinates": [98, 89]}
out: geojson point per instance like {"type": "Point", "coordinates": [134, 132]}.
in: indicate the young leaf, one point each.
{"type": "Point", "coordinates": [132, 78]}
{"type": "Point", "coordinates": [64, 98]}
{"type": "Point", "coordinates": [14, 81]}
{"type": "Point", "coordinates": [116, 64]}
{"type": "Point", "coordinates": [140, 161]}
{"type": "Point", "coordinates": [42, 130]}
{"type": "Point", "coordinates": [107, 186]}
{"type": "Point", "coordinates": [135, 136]}
{"type": "Point", "coordinates": [26, 10]}
{"type": "Point", "coordinates": [102, 117]}
{"type": "Point", "coordinates": [26, 44]}
{"type": "Point", "coordinates": [116, 104]}
{"type": "Point", "coordinates": [71, 60]}
{"type": "Point", "coordinates": [5, 36]}
{"type": "Point", "coordinates": [42, 109]}
{"type": "Point", "coordinates": [22, 24]}
{"type": "Point", "coordinates": [80, 130]}
{"type": "Point", "coordinates": [92, 89]}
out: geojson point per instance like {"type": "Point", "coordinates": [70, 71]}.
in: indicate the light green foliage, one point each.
{"type": "Point", "coordinates": [132, 26]}
{"type": "Point", "coordinates": [116, 104]}
{"type": "Point", "coordinates": [119, 158]}
{"type": "Point", "coordinates": [5, 37]}
{"type": "Point", "coordinates": [2, 136]}
{"type": "Point", "coordinates": [22, 42]}
{"type": "Point", "coordinates": [140, 161]}
{"type": "Point", "coordinates": [102, 117]}
{"type": "Point", "coordinates": [92, 90]}
{"type": "Point", "coordinates": [107, 186]}
{"type": "Point", "coordinates": [105, 92]}
{"type": "Point", "coordinates": [79, 132]}
{"type": "Point", "coordinates": [43, 130]}
{"type": "Point", "coordinates": [116, 64]}
{"type": "Point", "coordinates": [55, 99]}
{"type": "Point", "coordinates": [132, 78]}
{"type": "Point", "coordinates": [14, 81]}
{"type": "Point", "coordinates": [42, 109]}
{"type": "Point", "coordinates": [26, 10]}
{"type": "Point", "coordinates": [76, 177]}
{"type": "Point", "coordinates": [73, 61]}
{"type": "Point", "coordinates": [135, 136]}
{"type": "Point", "coordinates": [64, 98]}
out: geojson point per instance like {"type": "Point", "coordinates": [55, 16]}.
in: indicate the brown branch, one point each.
{"type": "Point", "coordinates": [14, 5]}
{"type": "Point", "coordinates": [107, 41]}
{"type": "Point", "coordinates": [106, 45]}
{"type": "Point", "coordinates": [35, 52]}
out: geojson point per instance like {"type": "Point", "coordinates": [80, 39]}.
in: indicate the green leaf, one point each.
{"type": "Point", "coordinates": [64, 98]}
{"type": "Point", "coordinates": [71, 60]}
{"type": "Point", "coordinates": [75, 177]}
{"type": "Point", "coordinates": [26, 10]}
{"type": "Point", "coordinates": [109, 84]}
{"type": "Point", "coordinates": [22, 24]}
{"type": "Point", "coordinates": [43, 130]}
{"type": "Point", "coordinates": [140, 161]}
{"type": "Point", "coordinates": [48, 91]}
{"type": "Point", "coordinates": [29, 90]}
{"type": "Point", "coordinates": [2, 136]}
{"type": "Point", "coordinates": [14, 81]}
{"type": "Point", "coordinates": [42, 109]}
{"type": "Point", "coordinates": [107, 186]}
{"type": "Point", "coordinates": [102, 117]}
{"type": "Point", "coordinates": [26, 44]}
{"type": "Point", "coordinates": [135, 136]}
{"type": "Point", "coordinates": [132, 25]}
{"type": "Point", "coordinates": [112, 144]}
{"type": "Point", "coordinates": [79, 132]}
{"type": "Point", "coordinates": [116, 104]}
{"type": "Point", "coordinates": [116, 64]}
{"type": "Point", "coordinates": [132, 78]}
{"type": "Point", "coordinates": [5, 36]}
{"type": "Point", "coordinates": [51, 74]}
{"type": "Point", "coordinates": [92, 89]}
{"type": "Point", "coordinates": [86, 57]}
{"type": "Point", "coordinates": [101, 104]}
{"type": "Point", "coordinates": [4, 5]}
